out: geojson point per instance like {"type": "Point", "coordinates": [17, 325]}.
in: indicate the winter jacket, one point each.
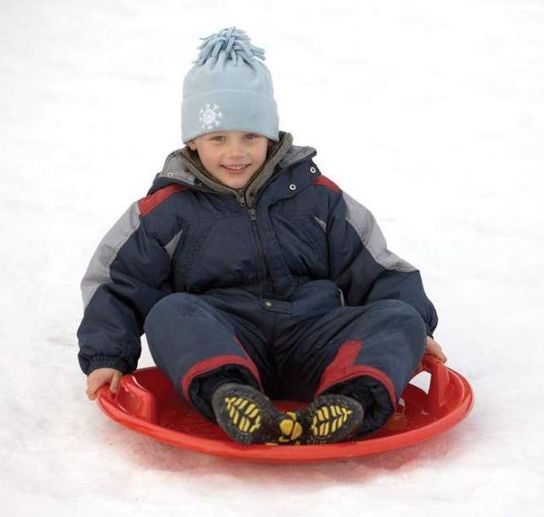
{"type": "Point", "coordinates": [290, 225]}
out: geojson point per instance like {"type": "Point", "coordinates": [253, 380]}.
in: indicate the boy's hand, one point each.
{"type": "Point", "coordinates": [434, 349]}
{"type": "Point", "coordinates": [97, 378]}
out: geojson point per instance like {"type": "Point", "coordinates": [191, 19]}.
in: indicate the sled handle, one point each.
{"type": "Point", "coordinates": [440, 387]}
{"type": "Point", "coordinates": [132, 398]}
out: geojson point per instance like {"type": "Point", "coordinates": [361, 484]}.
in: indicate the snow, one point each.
{"type": "Point", "coordinates": [429, 113]}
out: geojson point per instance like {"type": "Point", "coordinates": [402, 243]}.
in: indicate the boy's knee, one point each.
{"type": "Point", "coordinates": [174, 305]}
{"type": "Point", "coordinates": [402, 314]}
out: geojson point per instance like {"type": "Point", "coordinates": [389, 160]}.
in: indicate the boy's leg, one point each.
{"type": "Point", "coordinates": [198, 347]}
{"type": "Point", "coordinates": [368, 352]}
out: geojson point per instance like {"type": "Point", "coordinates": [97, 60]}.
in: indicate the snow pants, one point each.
{"type": "Point", "coordinates": [291, 350]}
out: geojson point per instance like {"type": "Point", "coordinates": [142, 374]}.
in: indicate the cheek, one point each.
{"type": "Point", "coordinates": [209, 159]}
{"type": "Point", "coordinates": [261, 153]}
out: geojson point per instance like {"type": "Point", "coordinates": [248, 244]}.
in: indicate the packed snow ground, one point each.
{"type": "Point", "coordinates": [431, 113]}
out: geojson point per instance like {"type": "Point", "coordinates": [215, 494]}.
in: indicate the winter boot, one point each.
{"type": "Point", "coordinates": [329, 419]}
{"type": "Point", "coordinates": [249, 417]}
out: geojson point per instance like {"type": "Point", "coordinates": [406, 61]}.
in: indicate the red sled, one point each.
{"type": "Point", "coordinates": [147, 403]}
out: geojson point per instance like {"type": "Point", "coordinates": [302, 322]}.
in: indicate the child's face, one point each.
{"type": "Point", "coordinates": [232, 157]}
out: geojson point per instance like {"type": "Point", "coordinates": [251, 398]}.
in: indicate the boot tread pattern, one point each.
{"type": "Point", "coordinates": [328, 419]}
{"type": "Point", "coordinates": [332, 418]}
{"type": "Point", "coordinates": [243, 413]}
{"type": "Point", "coordinates": [248, 416]}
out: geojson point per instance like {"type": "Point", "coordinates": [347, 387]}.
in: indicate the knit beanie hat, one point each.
{"type": "Point", "coordinates": [228, 88]}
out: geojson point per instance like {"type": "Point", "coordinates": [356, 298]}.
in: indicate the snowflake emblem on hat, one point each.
{"type": "Point", "coordinates": [210, 116]}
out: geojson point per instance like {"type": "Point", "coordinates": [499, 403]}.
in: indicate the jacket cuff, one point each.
{"type": "Point", "coordinates": [105, 361]}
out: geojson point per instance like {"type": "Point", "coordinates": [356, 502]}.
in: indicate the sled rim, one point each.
{"type": "Point", "coordinates": [458, 385]}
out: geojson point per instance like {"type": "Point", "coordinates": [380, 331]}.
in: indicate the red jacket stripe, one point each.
{"type": "Point", "coordinates": [150, 202]}
{"type": "Point", "coordinates": [326, 182]}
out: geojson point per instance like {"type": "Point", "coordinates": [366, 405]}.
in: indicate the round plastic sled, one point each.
{"type": "Point", "coordinates": [146, 402]}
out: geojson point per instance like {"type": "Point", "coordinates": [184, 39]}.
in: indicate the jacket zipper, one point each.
{"type": "Point", "coordinates": [261, 262]}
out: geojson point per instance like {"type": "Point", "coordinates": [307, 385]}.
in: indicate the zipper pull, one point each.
{"type": "Point", "coordinates": [241, 198]}
{"type": "Point", "coordinates": [252, 214]}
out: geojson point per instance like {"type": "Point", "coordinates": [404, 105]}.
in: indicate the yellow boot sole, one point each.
{"type": "Point", "coordinates": [249, 417]}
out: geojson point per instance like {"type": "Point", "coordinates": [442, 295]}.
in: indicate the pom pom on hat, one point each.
{"type": "Point", "coordinates": [234, 42]}
{"type": "Point", "coordinates": [229, 88]}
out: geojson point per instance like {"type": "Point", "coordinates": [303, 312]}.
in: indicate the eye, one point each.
{"type": "Point", "coordinates": [250, 136]}
{"type": "Point", "coordinates": [217, 138]}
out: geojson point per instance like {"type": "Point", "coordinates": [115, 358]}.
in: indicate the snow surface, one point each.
{"type": "Point", "coordinates": [431, 113]}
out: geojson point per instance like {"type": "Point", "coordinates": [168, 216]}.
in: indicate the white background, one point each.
{"type": "Point", "coordinates": [431, 113]}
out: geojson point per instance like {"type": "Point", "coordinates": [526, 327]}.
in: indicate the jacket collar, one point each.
{"type": "Point", "coordinates": [183, 166]}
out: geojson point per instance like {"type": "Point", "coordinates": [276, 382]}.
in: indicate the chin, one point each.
{"type": "Point", "coordinates": [234, 181]}
{"type": "Point", "coordinates": [236, 184]}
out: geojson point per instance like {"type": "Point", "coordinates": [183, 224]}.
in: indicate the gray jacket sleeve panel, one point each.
{"type": "Point", "coordinates": [127, 275]}
{"type": "Point", "coordinates": [365, 269]}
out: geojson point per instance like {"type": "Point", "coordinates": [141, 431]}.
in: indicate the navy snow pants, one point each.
{"type": "Point", "coordinates": [290, 350]}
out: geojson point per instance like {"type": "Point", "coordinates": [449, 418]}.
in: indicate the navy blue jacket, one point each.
{"type": "Point", "coordinates": [185, 237]}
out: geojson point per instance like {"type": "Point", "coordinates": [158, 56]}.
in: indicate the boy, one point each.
{"type": "Point", "coordinates": [252, 275]}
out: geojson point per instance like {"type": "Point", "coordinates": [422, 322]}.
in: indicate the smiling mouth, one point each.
{"type": "Point", "coordinates": [236, 168]}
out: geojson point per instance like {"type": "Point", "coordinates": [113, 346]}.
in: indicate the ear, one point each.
{"type": "Point", "coordinates": [191, 144]}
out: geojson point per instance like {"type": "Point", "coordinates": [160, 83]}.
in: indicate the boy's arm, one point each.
{"type": "Point", "coordinates": [364, 268]}
{"type": "Point", "coordinates": [127, 275]}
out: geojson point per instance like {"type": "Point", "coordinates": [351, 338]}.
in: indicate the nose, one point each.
{"type": "Point", "coordinates": [235, 149]}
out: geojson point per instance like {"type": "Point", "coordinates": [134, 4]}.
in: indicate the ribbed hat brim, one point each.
{"type": "Point", "coordinates": [229, 110]}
